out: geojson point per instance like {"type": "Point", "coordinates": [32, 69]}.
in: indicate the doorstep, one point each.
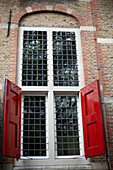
{"type": "Point", "coordinates": [73, 167]}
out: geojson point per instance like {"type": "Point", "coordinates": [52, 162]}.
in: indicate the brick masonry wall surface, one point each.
{"type": "Point", "coordinates": [106, 14]}
{"type": "Point", "coordinates": [97, 58]}
{"type": "Point", "coordinates": [17, 6]}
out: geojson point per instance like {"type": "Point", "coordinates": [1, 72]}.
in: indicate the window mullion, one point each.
{"type": "Point", "coordinates": [50, 59]}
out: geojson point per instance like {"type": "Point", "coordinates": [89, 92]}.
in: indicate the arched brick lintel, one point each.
{"type": "Point", "coordinates": [74, 13]}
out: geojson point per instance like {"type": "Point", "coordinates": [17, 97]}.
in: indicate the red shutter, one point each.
{"type": "Point", "coordinates": [12, 120]}
{"type": "Point", "coordinates": [94, 142]}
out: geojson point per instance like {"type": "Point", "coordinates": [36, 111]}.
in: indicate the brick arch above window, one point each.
{"type": "Point", "coordinates": [28, 10]}
{"type": "Point", "coordinates": [49, 19]}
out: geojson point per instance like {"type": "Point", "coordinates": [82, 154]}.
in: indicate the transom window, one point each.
{"type": "Point", "coordinates": [34, 65]}
{"type": "Point", "coordinates": [65, 69]}
{"type": "Point", "coordinates": [50, 79]}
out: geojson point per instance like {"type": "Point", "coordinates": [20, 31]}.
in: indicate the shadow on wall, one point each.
{"type": "Point", "coordinates": [1, 125]}
{"type": "Point", "coordinates": [5, 162]}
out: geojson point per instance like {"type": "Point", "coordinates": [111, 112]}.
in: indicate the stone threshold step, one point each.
{"type": "Point", "coordinates": [75, 167]}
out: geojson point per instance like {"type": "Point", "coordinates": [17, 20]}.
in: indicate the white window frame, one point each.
{"type": "Point", "coordinates": [79, 130]}
{"type": "Point", "coordinates": [51, 90]}
{"type": "Point", "coordinates": [49, 54]}
{"type": "Point", "coordinates": [47, 147]}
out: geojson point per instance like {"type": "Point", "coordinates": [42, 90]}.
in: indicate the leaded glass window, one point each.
{"type": "Point", "coordinates": [34, 126]}
{"type": "Point", "coordinates": [65, 59]}
{"type": "Point", "coordinates": [49, 76]}
{"type": "Point", "coordinates": [67, 133]}
{"type": "Point", "coordinates": [34, 66]}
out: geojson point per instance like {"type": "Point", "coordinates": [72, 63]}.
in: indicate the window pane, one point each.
{"type": "Point", "coordinates": [65, 69]}
{"type": "Point", "coordinates": [34, 66]}
{"type": "Point", "coordinates": [67, 133]}
{"type": "Point", "coordinates": [34, 126]}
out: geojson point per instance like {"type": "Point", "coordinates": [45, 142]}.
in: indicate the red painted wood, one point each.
{"type": "Point", "coordinates": [94, 142]}
{"type": "Point", "coordinates": [12, 120]}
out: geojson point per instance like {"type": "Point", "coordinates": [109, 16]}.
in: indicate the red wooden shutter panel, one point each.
{"type": "Point", "coordinates": [12, 120]}
{"type": "Point", "coordinates": [94, 142]}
